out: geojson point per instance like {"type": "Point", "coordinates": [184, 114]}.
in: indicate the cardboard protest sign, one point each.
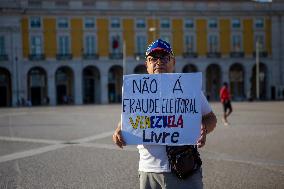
{"type": "Point", "coordinates": [161, 108]}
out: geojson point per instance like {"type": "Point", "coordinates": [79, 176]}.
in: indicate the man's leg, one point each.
{"type": "Point", "coordinates": [151, 180]}
{"type": "Point", "coordinates": [192, 182]}
{"type": "Point", "coordinates": [224, 119]}
{"type": "Point", "coordinates": [230, 109]}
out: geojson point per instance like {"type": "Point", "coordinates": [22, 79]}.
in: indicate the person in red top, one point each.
{"type": "Point", "coordinates": [226, 102]}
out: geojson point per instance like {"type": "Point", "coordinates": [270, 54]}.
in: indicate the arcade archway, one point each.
{"type": "Point", "coordinates": [189, 68]}
{"type": "Point", "coordinates": [140, 69]}
{"type": "Point", "coordinates": [5, 88]}
{"type": "Point", "coordinates": [37, 86]}
{"type": "Point", "coordinates": [91, 85]}
{"type": "Point", "coordinates": [115, 84]}
{"type": "Point", "coordinates": [213, 81]}
{"type": "Point", "coordinates": [64, 81]}
{"type": "Point", "coordinates": [262, 82]}
{"type": "Point", "coordinates": [236, 76]}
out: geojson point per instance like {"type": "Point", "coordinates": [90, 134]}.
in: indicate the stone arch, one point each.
{"type": "Point", "coordinates": [140, 69]}
{"type": "Point", "coordinates": [37, 86]}
{"type": "Point", "coordinates": [237, 78]}
{"type": "Point", "coordinates": [263, 76]}
{"type": "Point", "coordinates": [115, 84]}
{"type": "Point", "coordinates": [213, 81]}
{"type": "Point", "coordinates": [91, 85]}
{"type": "Point", "coordinates": [5, 87]}
{"type": "Point", "coordinates": [189, 68]}
{"type": "Point", "coordinates": [64, 82]}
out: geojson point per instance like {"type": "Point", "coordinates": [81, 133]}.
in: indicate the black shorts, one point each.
{"type": "Point", "coordinates": [227, 105]}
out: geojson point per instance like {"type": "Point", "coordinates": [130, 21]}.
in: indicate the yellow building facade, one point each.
{"type": "Point", "coordinates": [50, 45]}
{"type": "Point", "coordinates": [75, 56]}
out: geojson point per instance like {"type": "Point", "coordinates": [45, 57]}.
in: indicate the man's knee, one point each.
{"type": "Point", "coordinates": [148, 181]}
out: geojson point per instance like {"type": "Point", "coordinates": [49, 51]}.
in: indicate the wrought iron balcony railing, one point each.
{"type": "Point", "coordinates": [237, 54]}
{"type": "Point", "coordinates": [213, 55]}
{"type": "Point", "coordinates": [190, 55]}
{"type": "Point", "coordinates": [90, 56]}
{"type": "Point", "coordinates": [261, 54]}
{"type": "Point", "coordinates": [36, 57]}
{"type": "Point", "coordinates": [115, 55]}
{"type": "Point", "coordinates": [64, 56]}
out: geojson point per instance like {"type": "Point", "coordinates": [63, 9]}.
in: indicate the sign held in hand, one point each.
{"type": "Point", "coordinates": [161, 109]}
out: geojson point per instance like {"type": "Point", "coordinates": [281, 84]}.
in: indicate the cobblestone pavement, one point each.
{"type": "Point", "coordinates": [71, 147]}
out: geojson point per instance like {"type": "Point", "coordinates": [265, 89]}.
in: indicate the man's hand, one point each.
{"type": "Point", "coordinates": [117, 137]}
{"type": "Point", "coordinates": [202, 139]}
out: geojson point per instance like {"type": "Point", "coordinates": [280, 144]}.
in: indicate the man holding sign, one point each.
{"type": "Point", "coordinates": [163, 109]}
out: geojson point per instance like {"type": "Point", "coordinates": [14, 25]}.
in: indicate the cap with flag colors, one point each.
{"type": "Point", "coordinates": [159, 44]}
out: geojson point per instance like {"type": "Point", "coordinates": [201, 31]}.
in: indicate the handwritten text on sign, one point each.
{"type": "Point", "coordinates": [161, 108]}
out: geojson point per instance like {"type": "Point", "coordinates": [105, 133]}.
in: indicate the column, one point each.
{"type": "Point", "coordinates": [104, 86]}
{"type": "Point", "coordinates": [248, 76]}
{"type": "Point", "coordinates": [202, 69]}
{"type": "Point", "coordinates": [15, 96]}
{"type": "Point", "coordinates": [225, 74]}
{"type": "Point", "coordinates": [15, 70]}
{"type": "Point", "coordinates": [23, 78]}
{"type": "Point", "coordinates": [78, 85]}
{"type": "Point", "coordinates": [51, 91]}
{"type": "Point", "coordinates": [281, 50]}
{"type": "Point", "coordinates": [276, 51]}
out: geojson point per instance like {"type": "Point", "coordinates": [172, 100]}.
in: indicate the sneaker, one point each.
{"type": "Point", "coordinates": [226, 123]}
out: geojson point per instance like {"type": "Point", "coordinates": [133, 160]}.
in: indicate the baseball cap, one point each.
{"type": "Point", "coordinates": [159, 44]}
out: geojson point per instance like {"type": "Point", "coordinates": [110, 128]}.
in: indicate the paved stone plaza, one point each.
{"type": "Point", "coordinates": [71, 147]}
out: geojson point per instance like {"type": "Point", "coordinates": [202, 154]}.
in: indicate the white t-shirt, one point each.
{"type": "Point", "coordinates": [153, 158]}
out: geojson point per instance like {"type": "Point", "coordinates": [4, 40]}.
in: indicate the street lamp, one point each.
{"type": "Point", "coordinates": [257, 53]}
{"type": "Point", "coordinates": [153, 29]}
{"type": "Point", "coordinates": [257, 68]}
{"type": "Point", "coordinates": [124, 57]}
{"type": "Point", "coordinates": [17, 81]}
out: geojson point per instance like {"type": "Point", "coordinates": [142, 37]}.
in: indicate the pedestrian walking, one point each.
{"type": "Point", "coordinates": [225, 98]}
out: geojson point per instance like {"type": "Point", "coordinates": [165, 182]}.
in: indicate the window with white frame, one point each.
{"type": "Point", "coordinates": [35, 22]}
{"type": "Point", "coordinates": [259, 23]}
{"type": "Point", "coordinates": [165, 23]}
{"type": "Point", "coordinates": [140, 23]}
{"type": "Point", "coordinates": [236, 43]}
{"type": "Point", "coordinates": [236, 23]}
{"type": "Point", "coordinates": [36, 45]}
{"type": "Point", "coordinates": [260, 39]}
{"type": "Point", "coordinates": [140, 44]}
{"type": "Point", "coordinates": [89, 22]}
{"type": "Point", "coordinates": [213, 43]}
{"type": "Point", "coordinates": [64, 48]}
{"type": "Point", "coordinates": [189, 43]}
{"type": "Point", "coordinates": [115, 23]}
{"type": "Point", "coordinates": [2, 45]}
{"type": "Point", "coordinates": [116, 44]}
{"type": "Point", "coordinates": [62, 23]}
{"type": "Point", "coordinates": [189, 23]}
{"type": "Point", "coordinates": [212, 23]}
{"type": "Point", "coordinates": [90, 44]}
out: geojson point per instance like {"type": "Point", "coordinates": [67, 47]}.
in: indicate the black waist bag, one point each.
{"type": "Point", "coordinates": [184, 160]}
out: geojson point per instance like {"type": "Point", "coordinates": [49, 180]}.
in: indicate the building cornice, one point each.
{"type": "Point", "coordinates": [146, 7]}
{"type": "Point", "coordinates": [137, 12]}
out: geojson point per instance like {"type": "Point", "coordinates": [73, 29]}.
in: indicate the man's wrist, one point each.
{"type": "Point", "coordinates": [204, 128]}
